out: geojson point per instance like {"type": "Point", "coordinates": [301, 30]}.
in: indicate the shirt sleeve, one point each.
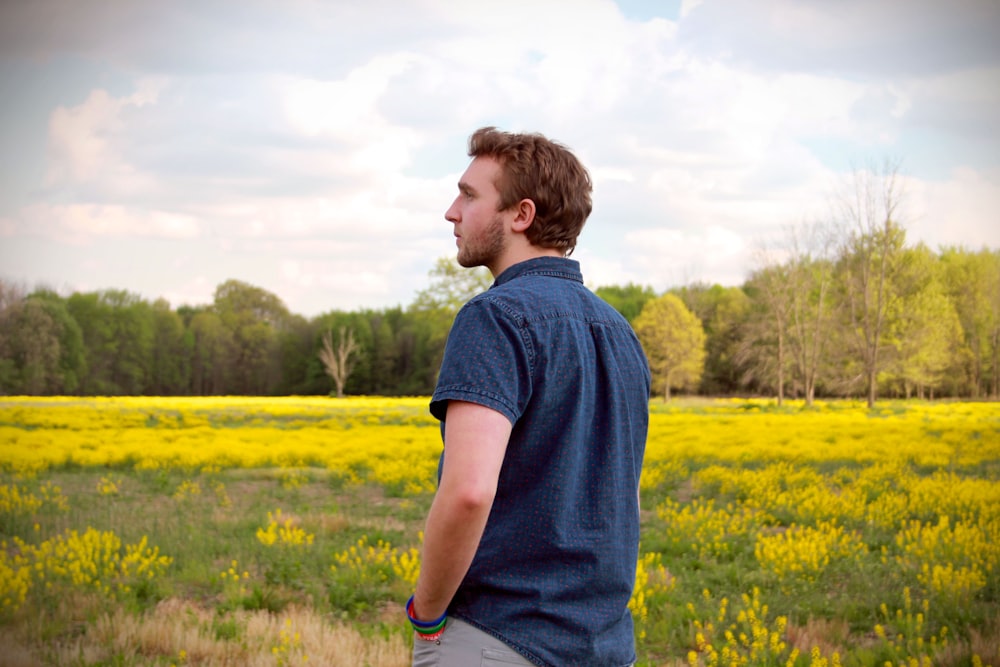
{"type": "Point", "coordinates": [487, 360]}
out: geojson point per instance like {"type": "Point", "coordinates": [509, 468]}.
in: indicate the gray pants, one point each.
{"type": "Point", "coordinates": [462, 645]}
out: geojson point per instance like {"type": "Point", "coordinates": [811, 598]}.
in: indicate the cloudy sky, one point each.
{"type": "Point", "coordinates": [311, 147]}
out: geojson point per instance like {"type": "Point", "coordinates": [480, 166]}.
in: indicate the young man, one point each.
{"type": "Point", "coordinates": [531, 542]}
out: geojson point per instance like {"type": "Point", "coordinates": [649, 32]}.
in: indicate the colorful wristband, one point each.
{"type": "Point", "coordinates": [430, 638]}
{"type": "Point", "coordinates": [426, 630]}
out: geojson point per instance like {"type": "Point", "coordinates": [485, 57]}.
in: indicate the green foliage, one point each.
{"type": "Point", "coordinates": [926, 332]}
{"type": "Point", "coordinates": [870, 261]}
{"type": "Point", "coordinates": [210, 343]}
{"type": "Point", "coordinates": [117, 329]}
{"type": "Point", "coordinates": [971, 281]}
{"type": "Point", "coordinates": [878, 316]}
{"type": "Point", "coordinates": [674, 342]}
{"type": "Point", "coordinates": [451, 286]}
{"type": "Point", "coordinates": [170, 363]}
{"type": "Point", "coordinates": [702, 518]}
{"type": "Point", "coordinates": [626, 299]}
{"type": "Point", "coordinates": [31, 345]}
{"type": "Point", "coordinates": [722, 312]}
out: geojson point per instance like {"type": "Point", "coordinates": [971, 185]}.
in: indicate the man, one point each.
{"type": "Point", "coordinates": [531, 542]}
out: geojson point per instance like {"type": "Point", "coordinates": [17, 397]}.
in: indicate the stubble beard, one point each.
{"type": "Point", "coordinates": [486, 249]}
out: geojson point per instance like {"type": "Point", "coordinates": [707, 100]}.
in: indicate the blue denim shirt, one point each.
{"type": "Point", "coordinates": [556, 564]}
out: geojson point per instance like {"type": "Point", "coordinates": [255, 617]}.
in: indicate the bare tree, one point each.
{"type": "Point", "coordinates": [768, 329]}
{"type": "Point", "coordinates": [11, 294]}
{"type": "Point", "coordinates": [869, 258]}
{"type": "Point", "coordinates": [339, 361]}
{"type": "Point", "coordinates": [810, 280]}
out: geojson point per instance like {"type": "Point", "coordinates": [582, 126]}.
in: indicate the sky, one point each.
{"type": "Point", "coordinates": [311, 147]}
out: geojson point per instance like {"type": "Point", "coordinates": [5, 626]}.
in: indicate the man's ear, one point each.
{"type": "Point", "coordinates": [524, 215]}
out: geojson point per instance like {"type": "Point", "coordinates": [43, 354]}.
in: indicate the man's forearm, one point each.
{"type": "Point", "coordinates": [475, 443]}
{"type": "Point", "coordinates": [451, 538]}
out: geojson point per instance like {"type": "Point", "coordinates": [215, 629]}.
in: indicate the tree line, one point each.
{"type": "Point", "coordinates": [799, 329]}
{"type": "Point", "coordinates": [246, 342]}
{"type": "Point", "coordinates": [846, 310]}
{"type": "Point", "coordinates": [841, 308]}
{"type": "Point", "coordinates": [805, 326]}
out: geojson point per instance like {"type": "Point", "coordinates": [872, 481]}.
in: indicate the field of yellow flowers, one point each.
{"type": "Point", "coordinates": [286, 531]}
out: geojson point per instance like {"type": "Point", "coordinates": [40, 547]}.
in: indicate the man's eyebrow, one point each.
{"type": "Point", "coordinates": [466, 188]}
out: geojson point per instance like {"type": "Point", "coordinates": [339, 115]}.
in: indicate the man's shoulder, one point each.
{"type": "Point", "coordinates": [532, 298]}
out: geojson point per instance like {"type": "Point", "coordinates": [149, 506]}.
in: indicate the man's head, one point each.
{"type": "Point", "coordinates": [536, 168]}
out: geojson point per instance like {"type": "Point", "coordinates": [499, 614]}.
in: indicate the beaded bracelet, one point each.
{"type": "Point", "coordinates": [426, 630]}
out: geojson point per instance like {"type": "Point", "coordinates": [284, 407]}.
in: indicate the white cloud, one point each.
{"type": "Point", "coordinates": [962, 210]}
{"type": "Point", "coordinates": [671, 257]}
{"type": "Point", "coordinates": [84, 223]}
{"type": "Point", "coordinates": [191, 291]}
{"type": "Point", "coordinates": [344, 109]}
{"type": "Point", "coordinates": [84, 142]}
{"type": "Point", "coordinates": [857, 38]}
{"type": "Point", "coordinates": [688, 6]}
{"type": "Point", "coordinates": [961, 103]}
{"type": "Point", "coordinates": [321, 165]}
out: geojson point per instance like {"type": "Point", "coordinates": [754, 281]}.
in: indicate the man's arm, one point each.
{"type": "Point", "coordinates": [475, 443]}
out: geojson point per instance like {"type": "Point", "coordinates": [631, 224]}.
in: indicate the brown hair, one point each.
{"type": "Point", "coordinates": [536, 168]}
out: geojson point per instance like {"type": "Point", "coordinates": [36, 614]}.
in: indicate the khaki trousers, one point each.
{"type": "Point", "coordinates": [463, 645]}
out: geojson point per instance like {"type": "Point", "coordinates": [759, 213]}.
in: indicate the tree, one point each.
{"type": "Point", "coordinates": [972, 282]}
{"type": "Point", "coordinates": [253, 317]}
{"type": "Point", "coordinates": [339, 360]}
{"type": "Point", "coordinates": [628, 299]}
{"type": "Point", "coordinates": [132, 333]}
{"type": "Point", "coordinates": [210, 353]}
{"type": "Point", "coordinates": [810, 273]}
{"type": "Point", "coordinates": [451, 286]}
{"type": "Point", "coordinates": [100, 346]}
{"type": "Point", "coordinates": [792, 314]}
{"type": "Point", "coordinates": [117, 329]}
{"type": "Point", "coordinates": [432, 312]}
{"type": "Point", "coordinates": [809, 321]}
{"type": "Point", "coordinates": [301, 370]}
{"type": "Point", "coordinates": [72, 356]}
{"type": "Point", "coordinates": [674, 341]}
{"type": "Point", "coordinates": [762, 352]}
{"type": "Point", "coordinates": [170, 365]}
{"type": "Point", "coordinates": [423, 340]}
{"type": "Point", "coordinates": [10, 296]}
{"type": "Point", "coordinates": [723, 312]}
{"type": "Point", "coordinates": [384, 353]}
{"type": "Point", "coordinates": [29, 339]}
{"type": "Point", "coordinates": [868, 260]}
{"type": "Point", "coordinates": [926, 335]}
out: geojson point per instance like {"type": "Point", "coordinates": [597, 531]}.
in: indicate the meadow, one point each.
{"type": "Point", "coordinates": [286, 531]}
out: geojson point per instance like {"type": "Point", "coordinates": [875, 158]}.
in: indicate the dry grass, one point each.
{"type": "Point", "coordinates": [986, 646]}
{"type": "Point", "coordinates": [828, 635]}
{"type": "Point", "coordinates": [179, 632]}
{"type": "Point", "coordinates": [833, 636]}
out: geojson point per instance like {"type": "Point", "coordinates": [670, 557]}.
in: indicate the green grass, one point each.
{"type": "Point", "coordinates": [206, 519]}
{"type": "Point", "coordinates": [203, 535]}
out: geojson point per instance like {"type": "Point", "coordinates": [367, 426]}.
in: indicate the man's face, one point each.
{"type": "Point", "coordinates": [480, 229]}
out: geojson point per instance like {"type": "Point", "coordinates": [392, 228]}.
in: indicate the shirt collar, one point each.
{"type": "Point", "coordinates": [556, 267]}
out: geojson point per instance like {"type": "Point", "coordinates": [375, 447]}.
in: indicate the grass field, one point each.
{"type": "Point", "coordinates": [246, 531]}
